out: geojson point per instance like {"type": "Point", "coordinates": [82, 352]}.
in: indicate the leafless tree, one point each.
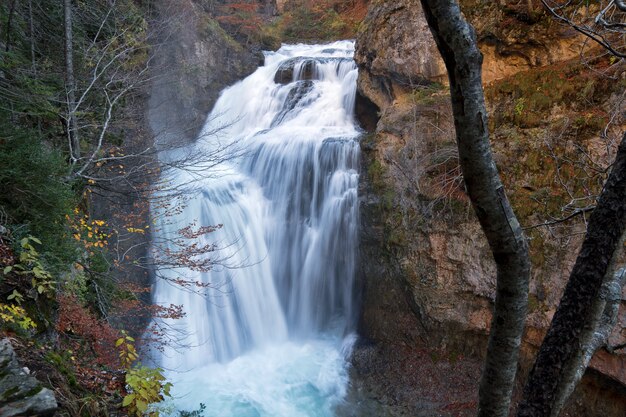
{"type": "Point", "coordinates": [602, 21]}
{"type": "Point", "coordinates": [456, 41]}
{"type": "Point", "coordinates": [70, 83]}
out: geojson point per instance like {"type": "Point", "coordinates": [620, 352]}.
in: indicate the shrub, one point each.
{"type": "Point", "coordinates": [34, 195]}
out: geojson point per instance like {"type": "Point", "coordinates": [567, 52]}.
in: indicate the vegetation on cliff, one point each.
{"type": "Point", "coordinates": [554, 122]}
{"type": "Point", "coordinates": [567, 348]}
{"type": "Point", "coordinates": [71, 77]}
{"type": "Point", "coordinates": [78, 171]}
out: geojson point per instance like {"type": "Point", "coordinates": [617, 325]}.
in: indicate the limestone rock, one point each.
{"type": "Point", "coordinates": [427, 268]}
{"type": "Point", "coordinates": [20, 393]}
{"type": "Point", "coordinates": [396, 43]}
{"type": "Point", "coordinates": [193, 62]}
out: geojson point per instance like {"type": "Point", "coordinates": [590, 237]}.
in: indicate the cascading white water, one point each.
{"type": "Point", "coordinates": [269, 337]}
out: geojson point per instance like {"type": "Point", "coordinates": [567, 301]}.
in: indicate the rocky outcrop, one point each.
{"type": "Point", "coordinates": [194, 59]}
{"type": "Point", "coordinates": [20, 393]}
{"type": "Point", "coordinates": [390, 37]}
{"type": "Point", "coordinates": [517, 36]}
{"type": "Point", "coordinates": [397, 50]}
{"type": "Point", "coordinates": [423, 248]}
{"type": "Point", "coordinates": [302, 69]}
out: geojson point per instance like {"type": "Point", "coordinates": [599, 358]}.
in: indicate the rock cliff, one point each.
{"type": "Point", "coordinates": [194, 59]}
{"type": "Point", "coordinates": [427, 260]}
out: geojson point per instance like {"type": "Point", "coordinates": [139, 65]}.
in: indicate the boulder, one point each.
{"type": "Point", "coordinates": [20, 393]}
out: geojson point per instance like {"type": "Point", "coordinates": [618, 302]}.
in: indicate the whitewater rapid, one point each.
{"type": "Point", "coordinates": [268, 331]}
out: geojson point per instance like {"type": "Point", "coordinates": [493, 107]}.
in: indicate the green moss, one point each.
{"type": "Point", "coordinates": [211, 30]}
{"type": "Point", "coordinates": [8, 394]}
{"type": "Point", "coordinates": [541, 185]}
{"type": "Point", "coordinates": [36, 390]}
{"type": "Point", "coordinates": [526, 98]}
{"type": "Point", "coordinates": [376, 173]}
{"type": "Point", "coordinates": [454, 356]}
{"type": "Point", "coordinates": [395, 230]}
{"type": "Point", "coordinates": [426, 95]}
{"type": "Point", "coordinates": [61, 363]}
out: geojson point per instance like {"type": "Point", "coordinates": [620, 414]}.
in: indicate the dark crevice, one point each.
{"type": "Point", "coordinates": [367, 113]}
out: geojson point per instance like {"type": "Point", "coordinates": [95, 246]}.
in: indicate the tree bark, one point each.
{"type": "Point", "coordinates": [596, 332]}
{"type": "Point", "coordinates": [570, 341]}
{"type": "Point", "coordinates": [457, 44]}
{"type": "Point", "coordinates": [7, 46]}
{"type": "Point", "coordinates": [70, 84]}
{"type": "Point", "coordinates": [31, 30]}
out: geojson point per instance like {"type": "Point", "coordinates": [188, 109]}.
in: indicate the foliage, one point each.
{"type": "Point", "coordinates": [83, 332]}
{"type": "Point", "coordinates": [91, 233]}
{"type": "Point", "coordinates": [30, 264]}
{"type": "Point", "coordinates": [242, 18]}
{"type": "Point", "coordinates": [313, 21]}
{"type": "Point", "coordinates": [195, 413]}
{"type": "Point", "coordinates": [15, 316]}
{"type": "Point", "coordinates": [145, 385]}
{"type": "Point", "coordinates": [63, 362]}
{"type": "Point", "coordinates": [307, 20]}
{"type": "Point", "coordinates": [46, 193]}
{"type": "Point", "coordinates": [33, 193]}
{"type": "Point", "coordinates": [126, 346]}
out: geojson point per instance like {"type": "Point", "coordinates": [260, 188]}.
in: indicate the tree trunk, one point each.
{"type": "Point", "coordinates": [31, 29]}
{"type": "Point", "coordinates": [457, 44]}
{"type": "Point", "coordinates": [7, 46]}
{"type": "Point", "coordinates": [583, 319]}
{"type": "Point", "coordinates": [70, 84]}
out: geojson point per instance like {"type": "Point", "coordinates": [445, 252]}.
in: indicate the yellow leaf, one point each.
{"type": "Point", "coordinates": [127, 400]}
{"type": "Point", "coordinates": [141, 406]}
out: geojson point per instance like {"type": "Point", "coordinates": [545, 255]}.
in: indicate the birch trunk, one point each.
{"type": "Point", "coordinates": [31, 30]}
{"type": "Point", "coordinates": [457, 44]}
{"type": "Point", "coordinates": [70, 84]}
{"type": "Point", "coordinates": [7, 46]}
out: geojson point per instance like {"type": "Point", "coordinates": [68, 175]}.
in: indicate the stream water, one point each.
{"type": "Point", "coordinates": [269, 331]}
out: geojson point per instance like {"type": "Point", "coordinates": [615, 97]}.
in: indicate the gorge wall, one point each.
{"type": "Point", "coordinates": [427, 271]}
{"type": "Point", "coordinates": [428, 274]}
{"type": "Point", "coordinates": [195, 58]}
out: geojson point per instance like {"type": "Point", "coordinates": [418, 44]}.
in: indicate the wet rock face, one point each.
{"type": "Point", "coordinates": [296, 95]}
{"type": "Point", "coordinates": [397, 44]}
{"type": "Point", "coordinates": [305, 70]}
{"type": "Point", "coordinates": [21, 394]}
{"type": "Point", "coordinates": [302, 69]}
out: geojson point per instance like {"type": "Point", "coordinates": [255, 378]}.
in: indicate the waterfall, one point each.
{"type": "Point", "coordinates": [265, 332]}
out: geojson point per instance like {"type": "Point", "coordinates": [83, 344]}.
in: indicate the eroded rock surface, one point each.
{"type": "Point", "coordinates": [20, 393]}
{"type": "Point", "coordinates": [397, 49]}
{"type": "Point", "coordinates": [194, 60]}
{"type": "Point", "coordinates": [425, 255]}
